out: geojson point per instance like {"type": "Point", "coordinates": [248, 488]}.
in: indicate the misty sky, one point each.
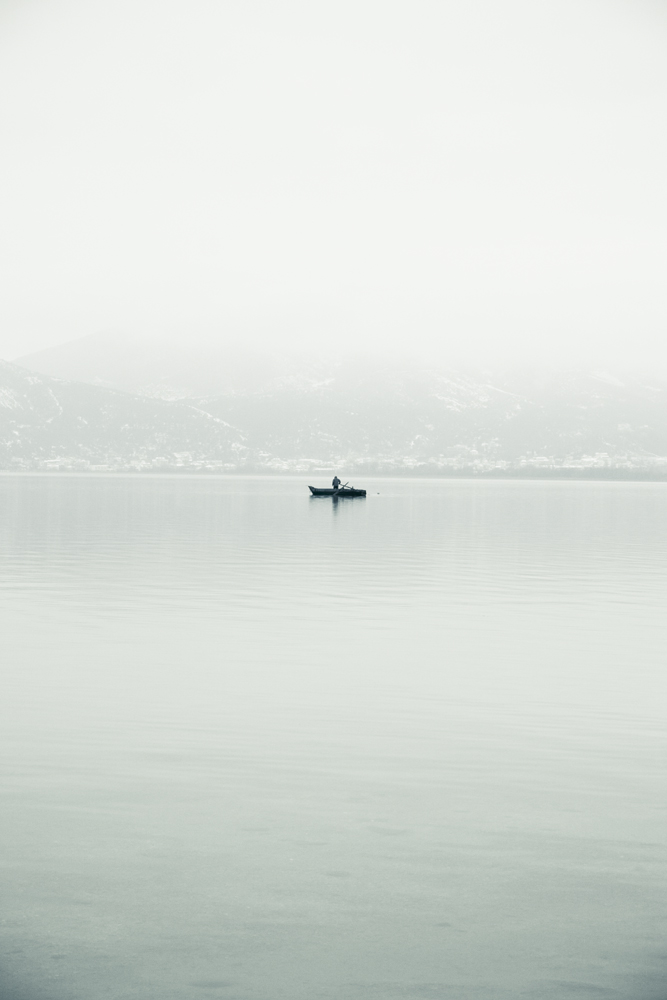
{"type": "Point", "coordinates": [472, 179]}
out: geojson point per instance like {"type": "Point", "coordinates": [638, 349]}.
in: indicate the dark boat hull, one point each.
{"type": "Point", "coordinates": [336, 493]}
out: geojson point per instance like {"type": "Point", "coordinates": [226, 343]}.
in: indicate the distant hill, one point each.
{"type": "Point", "coordinates": [238, 409]}
{"type": "Point", "coordinates": [402, 417]}
{"type": "Point", "coordinates": [53, 423]}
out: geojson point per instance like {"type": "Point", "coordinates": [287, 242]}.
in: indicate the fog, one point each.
{"type": "Point", "coordinates": [333, 463]}
{"type": "Point", "coordinates": [469, 180]}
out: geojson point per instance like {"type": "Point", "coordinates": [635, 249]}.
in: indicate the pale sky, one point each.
{"type": "Point", "coordinates": [472, 179]}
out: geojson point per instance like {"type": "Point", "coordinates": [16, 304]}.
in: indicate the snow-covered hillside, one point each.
{"type": "Point", "coordinates": [240, 410]}
{"type": "Point", "coordinates": [53, 423]}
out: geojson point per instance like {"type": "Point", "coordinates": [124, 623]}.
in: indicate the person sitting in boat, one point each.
{"type": "Point", "coordinates": [336, 482]}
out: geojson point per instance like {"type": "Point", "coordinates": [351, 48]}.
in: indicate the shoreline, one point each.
{"type": "Point", "coordinates": [554, 475]}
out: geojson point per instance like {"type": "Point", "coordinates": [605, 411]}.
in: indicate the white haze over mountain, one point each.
{"type": "Point", "coordinates": [103, 404]}
{"type": "Point", "coordinates": [479, 181]}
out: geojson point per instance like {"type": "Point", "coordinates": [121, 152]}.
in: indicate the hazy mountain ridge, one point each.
{"type": "Point", "coordinates": [47, 422]}
{"type": "Point", "coordinates": [285, 412]}
{"type": "Point", "coordinates": [418, 417]}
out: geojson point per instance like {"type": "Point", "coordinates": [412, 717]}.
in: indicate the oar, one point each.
{"type": "Point", "coordinates": [339, 489]}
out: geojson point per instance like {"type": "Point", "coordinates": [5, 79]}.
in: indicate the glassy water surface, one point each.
{"type": "Point", "coordinates": [257, 746]}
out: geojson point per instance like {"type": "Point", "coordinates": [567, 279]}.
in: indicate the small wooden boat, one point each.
{"type": "Point", "coordinates": [345, 491]}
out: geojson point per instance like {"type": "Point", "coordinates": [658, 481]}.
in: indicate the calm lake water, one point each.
{"type": "Point", "coordinates": [257, 746]}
